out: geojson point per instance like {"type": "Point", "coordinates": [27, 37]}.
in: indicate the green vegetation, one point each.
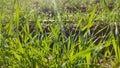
{"type": "Point", "coordinates": [59, 33]}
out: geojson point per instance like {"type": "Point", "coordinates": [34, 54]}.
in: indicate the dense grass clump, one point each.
{"type": "Point", "coordinates": [60, 34]}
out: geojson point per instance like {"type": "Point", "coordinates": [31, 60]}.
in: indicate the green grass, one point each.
{"type": "Point", "coordinates": [26, 43]}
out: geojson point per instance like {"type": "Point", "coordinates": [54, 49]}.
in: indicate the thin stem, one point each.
{"type": "Point", "coordinates": [58, 15]}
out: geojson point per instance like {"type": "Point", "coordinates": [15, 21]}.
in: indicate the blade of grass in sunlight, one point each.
{"type": "Point", "coordinates": [39, 26]}
{"type": "Point", "coordinates": [55, 32]}
{"type": "Point", "coordinates": [90, 20]}
{"type": "Point", "coordinates": [1, 18]}
{"type": "Point", "coordinates": [10, 30]}
{"type": "Point", "coordinates": [17, 10]}
{"type": "Point", "coordinates": [116, 48]}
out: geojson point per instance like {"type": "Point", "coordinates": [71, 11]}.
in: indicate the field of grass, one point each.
{"type": "Point", "coordinates": [59, 33]}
